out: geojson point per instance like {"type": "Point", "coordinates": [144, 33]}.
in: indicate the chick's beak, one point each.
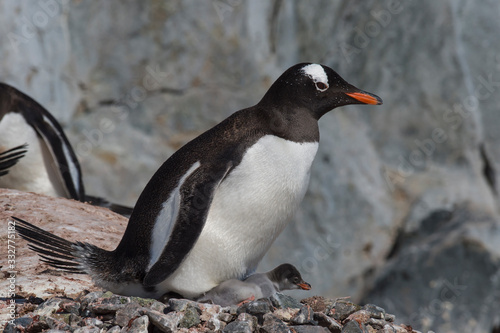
{"type": "Point", "coordinates": [304, 285]}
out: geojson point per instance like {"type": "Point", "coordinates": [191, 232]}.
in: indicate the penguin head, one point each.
{"type": "Point", "coordinates": [316, 88]}
{"type": "Point", "coordinates": [287, 277]}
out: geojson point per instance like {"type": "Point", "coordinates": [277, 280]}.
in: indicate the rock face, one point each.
{"type": "Point", "coordinates": [131, 82]}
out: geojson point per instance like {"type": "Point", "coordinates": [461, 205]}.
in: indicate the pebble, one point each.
{"type": "Point", "coordinates": [139, 325]}
{"type": "Point", "coordinates": [328, 322]}
{"type": "Point", "coordinates": [318, 303]}
{"type": "Point", "coordinates": [258, 307]}
{"type": "Point", "coordinates": [273, 324]}
{"type": "Point", "coordinates": [309, 329]}
{"type": "Point", "coordinates": [375, 311]}
{"type": "Point", "coordinates": [191, 317]}
{"type": "Point", "coordinates": [124, 314]}
{"type": "Point", "coordinates": [343, 309]}
{"type": "Point", "coordinates": [238, 327]}
{"type": "Point", "coordinates": [304, 316]}
{"type": "Point", "coordinates": [353, 327]}
{"type": "Point", "coordinates": [282, 301]}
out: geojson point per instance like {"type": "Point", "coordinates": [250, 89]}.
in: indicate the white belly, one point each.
{"type": "Point", "coordinates": [249, 210]}
{"type": "Point", "coordinates": [36, 171]}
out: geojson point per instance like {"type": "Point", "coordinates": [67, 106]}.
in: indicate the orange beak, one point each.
{"type": "Point", "coordinates": [365, 98]}
{"type": "Point", "coordinates": [304, 286]}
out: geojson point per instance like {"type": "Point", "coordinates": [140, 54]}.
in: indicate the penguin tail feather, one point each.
{"type": "Point", "coordinates": [54, 250]}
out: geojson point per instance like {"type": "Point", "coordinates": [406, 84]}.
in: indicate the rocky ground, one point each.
{"type": "Point", "coordinates": [106, 312]}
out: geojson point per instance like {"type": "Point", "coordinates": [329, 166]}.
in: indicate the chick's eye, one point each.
{"type": "Point", "coordinates": [321, 86]}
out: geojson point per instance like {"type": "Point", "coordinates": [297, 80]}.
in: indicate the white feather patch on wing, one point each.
{"type": "Point", "coordinates": [166, 219]}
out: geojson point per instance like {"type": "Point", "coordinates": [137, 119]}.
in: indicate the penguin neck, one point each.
{"type": "Point", "coordinates": [291, 123]}
{"type": "Point", "coordinates": [275, 279]}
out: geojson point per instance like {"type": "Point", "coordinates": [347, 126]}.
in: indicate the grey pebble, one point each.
{"type": "Point", "coordinates": [304, 316]}
{"type": "Point", "coordinates": [238, 327]}
{"type": "Point", "coordinates": [139, 325]}
{"type": "Point", "coordinates": [309, 329]}
{"type": "Point", "coordinates": [325, 321]}
{"type": "Point", "coordinates": [282, 301]}
{"type": "Point", "coordinates": [353, 327]}
{"type": "Point", "coordinates": [343, 309]}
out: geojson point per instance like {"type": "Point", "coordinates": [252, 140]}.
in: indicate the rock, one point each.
{"type": "Point", "coordinates": [226, 317]}
{"type": "Point", "coordinates": [239, 327]}
{"type": "Point", "coordinates": [447, 256]}
{"type": "Point", "coordinates": [286, 314]}
{"type": "Point", "coordinates": [273, 324]}
{"type": "Point", "coordinates": [149, 303]}
{"type": "Point", "coordinates": [175, 304]}
{"type": "Point", "coordinates": [114, 329]}
{"type": "Point", "coordinates": [318, 303]}
{"type": "Point", "coordinates": [284, 301]}
{"type": "Point", "coordinates": [361, 316]}
{"type": "Point", "coordinates": [215, 319]}
{"type": "Point", "coordinates": [309, 329]}
{"type": "Point", "coordinates": [87, 329]}
{"type": "Point", "coordinates": [353, 327]}
{"type": "Point", "coordinates": [374, 311]}
{"type": "Point", "coordinates": [70, 306]}
{"type": "Point", "coordinates": [18, 325]}
{"type": "Point", "coordinates": [139, 325]}
{"type": "Point", "coordinates": [57, 325]}
{"type": "Point", "coordinates": [304, 316]}
{"type": "Point", "coordinates": [123, 315]}
{"type": "Point", "coordinates": [376, 323]}
{"type": "Point", "coordinates": [191, 317]}
{"type": "Point", "coordinates": [257, 308]}
{"type": "Point", "coordinates": [331, 324]}
{"type": "Point", "coordinates": [342, 309]}
{"type": "Point", "coordinates": [48, 307]}
{"type": "Point", "coordinates": [164, 322]}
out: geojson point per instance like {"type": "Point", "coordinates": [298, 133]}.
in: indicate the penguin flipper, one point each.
{"type": "Point", "coordinates": [197, 197]}
{"type": "Point", "coordinates": [10, 157]}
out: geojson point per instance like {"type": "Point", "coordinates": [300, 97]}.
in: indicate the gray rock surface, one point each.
{"type": "Point", "coordinates": [133, 81]}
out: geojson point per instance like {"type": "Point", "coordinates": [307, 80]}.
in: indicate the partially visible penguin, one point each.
{"type": "Point", "coordinates": [258, 285]}
{"type": "Point", "coordinates": [213, 209]}
{"type": "Point", "coordinates": [49, 165]}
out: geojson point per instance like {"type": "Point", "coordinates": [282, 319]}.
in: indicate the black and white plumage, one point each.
{"type": "Point", "coordinates": [258, 285]}
{"type": "Point", "coordinates": [10, 157]}
{"type": "Point", "coordinates": [49, 165]}
{"type": "Point", "coordinates": [213, 209]}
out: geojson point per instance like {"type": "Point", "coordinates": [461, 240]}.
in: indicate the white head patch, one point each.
{"type": "Point", "coordinates": [317, 74]}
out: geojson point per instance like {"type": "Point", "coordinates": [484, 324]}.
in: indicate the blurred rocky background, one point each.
{"type": "Point", "coordinates": [403, 206]}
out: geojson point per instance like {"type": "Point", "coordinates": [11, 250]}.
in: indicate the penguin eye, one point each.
{"type": "Point", "coordinates": [296, 280]}
{"type": "Point", "coordinates": [321, 86]}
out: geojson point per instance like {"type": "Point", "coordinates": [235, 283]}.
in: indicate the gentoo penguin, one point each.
{"type": "Point", "coordinates": [213, 209]}
{"type": "Point", "coordinates": [10, 157]}
{"type": "Point", "coordinates": [259, 285]}
{"type": "Point", "coordinates": [50, 165]}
